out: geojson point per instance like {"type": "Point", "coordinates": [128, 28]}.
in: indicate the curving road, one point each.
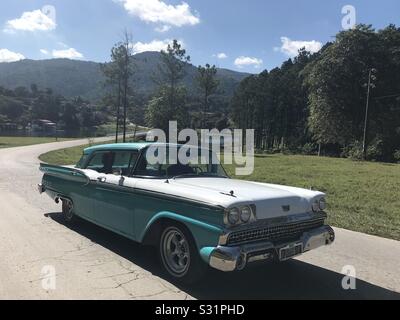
{"type": "Point", "coordinates": [92, 263]}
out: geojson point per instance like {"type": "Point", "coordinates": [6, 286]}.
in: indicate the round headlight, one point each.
{"type": "Point", "coordinates": [233, 216]}
{"type": "Point", "coordinates": [322, 204]}
{"type": "Point", "coordinates": [315, 206]}
{"type": "Point", "coordinates": [245, 214]}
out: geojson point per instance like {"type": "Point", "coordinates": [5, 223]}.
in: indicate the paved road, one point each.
{"type": "Point", "coordinates": [92, 263]}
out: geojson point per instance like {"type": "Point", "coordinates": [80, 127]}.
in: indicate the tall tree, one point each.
{"type": "Point", "coordinates": [118, 75]}
{"type": "Point", "coordinates": [113, 72]}
{"type": "Point", "coordinates": [169, 103]}
{"type": "Point", "coordinates": [208, 84]}
{"type": "Point", "coordinates": [127, 72]}
{"type": "Point", "coordinates": [338, 84]}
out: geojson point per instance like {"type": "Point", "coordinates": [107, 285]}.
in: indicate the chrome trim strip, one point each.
{"type": "Point", "coordinates": [156, 194]}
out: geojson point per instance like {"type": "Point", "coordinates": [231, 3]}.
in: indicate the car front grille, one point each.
{"type": "Point", "coordinates": [274, 233]}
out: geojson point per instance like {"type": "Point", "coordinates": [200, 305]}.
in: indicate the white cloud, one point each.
{"type": "Point", "coordinates": [242, 61]}
{"type": "Point", "coordinates": [9, 56]}
{"type": "Point", "coordinates": [291, 48]}
{"type": "Point", "coordinates": [157, 11]}
{"type": "Point", "coordinates": [35, 20]}
{"type": "Point", "coordinates": [44, 51]}
{"type": "Point", "coordinates": [221, 55]}
{"type": "Point", "coordinates": [70, 53]}
{"type": "Point", "coordinates": [163, 29]}
{"type": "Point", "coordinates": [155, 45]}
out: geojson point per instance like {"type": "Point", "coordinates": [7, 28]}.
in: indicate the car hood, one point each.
{"type": "Point", "coordinates": [271, 200]}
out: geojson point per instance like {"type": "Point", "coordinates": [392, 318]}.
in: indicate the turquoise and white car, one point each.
{"type": "Point", "coordinates": [195, 215]}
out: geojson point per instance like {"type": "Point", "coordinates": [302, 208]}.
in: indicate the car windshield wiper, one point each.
{"type": "Point", "coordinates": [199, 175]}
{"type": "Point", "coordinates": [186, 175]}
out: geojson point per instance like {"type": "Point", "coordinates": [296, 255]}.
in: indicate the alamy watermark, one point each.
{"type": "Point", "coordinates": [350, 278]}
{"type": "Point", "coordinates": [349, 20]}
{"type": "Point", "coordinates": [50, 12]}
{"type": "Point", "coordinates": [189, 147]}
{"type": "Point", "coordinates": [48, 278]}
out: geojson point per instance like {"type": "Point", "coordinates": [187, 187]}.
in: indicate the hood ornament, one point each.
{"type": "Point", "coordinates": [231, 194]}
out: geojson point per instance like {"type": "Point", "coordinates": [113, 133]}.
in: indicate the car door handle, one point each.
{"type": "Point", "coordinates": [102, 179]}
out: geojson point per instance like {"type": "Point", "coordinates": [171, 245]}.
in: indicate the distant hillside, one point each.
{"type": "Point", "coordinates": [72, 78]}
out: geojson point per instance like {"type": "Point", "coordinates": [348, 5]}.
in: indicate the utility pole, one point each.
{"type": "Point", "coordinates": [118, 110]}
{"type": "Point", "coordinates": [370, 85]}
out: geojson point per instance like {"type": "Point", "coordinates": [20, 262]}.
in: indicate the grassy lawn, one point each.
{"type": "Point", "coordinates": [362, 196]}
{"type": "Point", "coordinates": [109, 128]}
{"type": "Point", "coordinates": [9, 142]}
{"type": "Point", "coordinates": [67, 156]}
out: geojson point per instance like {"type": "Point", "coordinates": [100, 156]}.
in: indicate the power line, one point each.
{"type": "Point", "coordinates": [390, 96]}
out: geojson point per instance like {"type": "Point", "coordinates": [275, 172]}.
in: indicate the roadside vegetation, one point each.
{"type": "Point", "coordinates": [362, 196]}
{"type": "Point", "coordinates": [10, 142]}
{"type": "Point", "coordinates": [69, 156]}
{"type": "Point", "coordinates": [317, 103]}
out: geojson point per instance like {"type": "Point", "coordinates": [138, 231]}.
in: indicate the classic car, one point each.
{"type": "Point", "coordinates": [195, 215]}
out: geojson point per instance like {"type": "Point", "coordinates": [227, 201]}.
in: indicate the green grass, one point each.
{"type": "Point", "coordinates": [362, 196]}
{"type": "Point", "coordinates": [67, 156]}
{"type": "Point", "coordinates": [10, 142]}
{"type": "Point", "coordinates": [110, 128]}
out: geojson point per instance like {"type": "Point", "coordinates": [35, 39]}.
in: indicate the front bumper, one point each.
{"type": "Point", "coordinates": [236, 258]}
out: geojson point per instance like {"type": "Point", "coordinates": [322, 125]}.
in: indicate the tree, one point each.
{"type": "Point", "coordinates": [169, 103]}
{"type": "Point", "coordinates": [127, 73]}
{"type": "Point", "coordinates": [70, 117]}
{"type": "Point", "coordinates": [338, 85]}
{"type": "Point", "coordinates": [208, 84]}
{"type": "Point", "coordinates": [118, 74]}
{"type": "Point", "coordinates": [113, 72]}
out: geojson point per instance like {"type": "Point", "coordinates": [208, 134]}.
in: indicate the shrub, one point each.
{"type": "Point", "coordinates": [396, 156]}
{"type": "Point", "coordinates": [375, 150]}
{"type": "Point", "coordinates": [354, 151]}
{"type": "Point", "coordinates": [309, 149]}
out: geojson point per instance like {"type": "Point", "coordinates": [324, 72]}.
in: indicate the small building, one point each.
{"type": "Point", "coordinates": [45, 126]}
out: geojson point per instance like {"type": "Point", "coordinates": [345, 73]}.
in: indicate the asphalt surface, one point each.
{"type": "Point", "coordinates": [92, 263]}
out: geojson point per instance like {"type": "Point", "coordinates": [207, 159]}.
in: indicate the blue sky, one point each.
{"type": "Point", "coordinates": [242, 35]}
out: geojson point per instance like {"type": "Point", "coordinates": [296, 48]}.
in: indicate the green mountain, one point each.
{"type": "Point", "coordinates": [72, 78]}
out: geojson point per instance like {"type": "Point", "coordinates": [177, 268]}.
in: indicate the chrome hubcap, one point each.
{"type": "Point", "coordinates": [69, 210]}
{"type": "Point", "coordinates": [176, 252]}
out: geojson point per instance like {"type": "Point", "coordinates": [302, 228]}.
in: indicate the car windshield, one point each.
{"type": "Point", "coordinates": [203, 163]}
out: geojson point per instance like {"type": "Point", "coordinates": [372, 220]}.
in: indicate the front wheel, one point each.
{"type": "Point", "coordinates": [179, 255]}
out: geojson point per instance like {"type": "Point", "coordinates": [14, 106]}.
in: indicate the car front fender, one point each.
{"type": "Point", "coordinates": [204, 234]}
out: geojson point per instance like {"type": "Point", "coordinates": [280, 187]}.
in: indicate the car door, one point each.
{"type": "Point", "coordinates": [114, 203]}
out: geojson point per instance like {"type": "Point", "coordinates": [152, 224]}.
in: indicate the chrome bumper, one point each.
{"type": "Point", "coordinates": [41, 188]}
{"type": "Point", "coordinates": [236, 258]}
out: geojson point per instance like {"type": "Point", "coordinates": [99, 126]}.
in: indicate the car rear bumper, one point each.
{"type": "Point", "coordinates": [228, 259]}
{"type": "Point", "coordinates": [41, 188]}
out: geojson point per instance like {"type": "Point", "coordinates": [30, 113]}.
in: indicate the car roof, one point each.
{"type": "Point", "coordinates": [125, 146]}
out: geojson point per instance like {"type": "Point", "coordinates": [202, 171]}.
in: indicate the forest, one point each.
{"type": "Point", "coordinates": [343, 101]}
{"type": "Point", "coordinates": [327, 102]}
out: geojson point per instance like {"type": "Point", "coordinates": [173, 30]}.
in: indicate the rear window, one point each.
{"type": "Point", "coordinates": [112, 162]}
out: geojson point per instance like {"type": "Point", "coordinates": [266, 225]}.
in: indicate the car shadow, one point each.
{"type": "Point", "coordinates": [291, 280]}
